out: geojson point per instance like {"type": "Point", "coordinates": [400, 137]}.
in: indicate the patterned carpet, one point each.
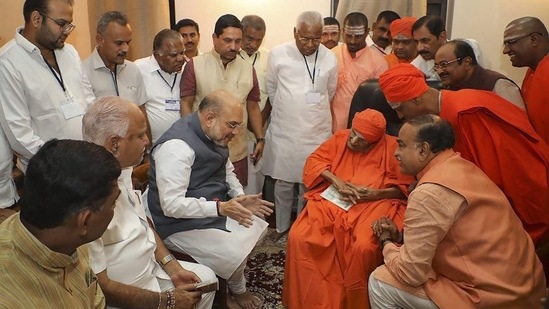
{"type": "Point", "coordinates": [265, 270]}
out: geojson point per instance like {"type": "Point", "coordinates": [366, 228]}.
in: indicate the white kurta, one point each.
{"type": "Point", "coordinates": [221, 251]}
{"type": "Point", "coordinates": [127, 83]}
{"type": "Point", "coordinates": [298, 125]}
{"type": "Point", "coordinates": [426, 66]}
{"type": "Point", "coordinates": [32, 99]}
{"type": "Point", "coordinates": [126, 249]}
{"type": "Point", "coordinates": [161, 86]}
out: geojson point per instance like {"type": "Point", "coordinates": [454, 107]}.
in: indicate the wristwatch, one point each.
{"type": "Point", "coordinates": [168, 258]}
{"type": "Point", "coordinates": [260, 140]}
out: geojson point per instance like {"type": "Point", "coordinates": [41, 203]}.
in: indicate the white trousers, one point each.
{"type": "Point", "coordinates": [385, 296]}
{"type": "Point", "coordinates": [256, 178]}
{"type": "Point", "coordinates": [224, 252]}
{"type": "Point", "coordinates": [285, 193]}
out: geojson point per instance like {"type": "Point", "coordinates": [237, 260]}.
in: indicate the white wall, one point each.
{"type": "Point", "coordinates": [485, 22]}
{"type": "Point", "coordinates": [279, 15]}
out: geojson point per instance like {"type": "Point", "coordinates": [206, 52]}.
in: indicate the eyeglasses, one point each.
{"type": "Point", "coordinates": [394, 105]}
{"type": "Point", "coordinates": [306, 40]}
{"type": "Point", "coordinates": [512, 42]}
{"type": "Point", "coordinates": [65, 26]}
{"type": "Point", "coordinates": [444, 64]}
{"type": "Point", "coordinates": [234, 125]}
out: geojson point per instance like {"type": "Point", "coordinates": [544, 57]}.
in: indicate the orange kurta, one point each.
{"type": "Point", "coordinates": [331, 252]}
{"type": "Point", "coordinates": [496, 136]}
{"type": "Point", "coordinates": [536, 97]}
{"type": "Point", "coordinates": [351, 73]}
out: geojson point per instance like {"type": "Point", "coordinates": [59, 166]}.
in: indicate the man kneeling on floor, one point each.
{"type": "Point", "coordinates": [462, 245]}
{"type": "Point", "coordinates": [127, 258]}
{"type": "Point", "coordinates": [191, 182]}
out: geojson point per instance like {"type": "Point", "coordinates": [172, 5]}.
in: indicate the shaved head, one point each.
{"type": "Point", "coordinates": [526, 42]}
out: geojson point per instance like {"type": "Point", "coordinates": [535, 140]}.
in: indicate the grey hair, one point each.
{"type": "Point", "coordinates": [310, 18]}
{"type": "Point", "coordinates": [111, 16]}
{"type": "Point", "coordinates": [106, 117]}
{"type": "Point", "coordinates": [253, 21]}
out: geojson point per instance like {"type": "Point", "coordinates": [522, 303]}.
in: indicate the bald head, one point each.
{"type": "Point", "coordinates": [525, 41]}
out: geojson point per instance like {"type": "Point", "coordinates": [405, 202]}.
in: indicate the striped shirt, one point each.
{"type": "Point", "coordinates": [33, 276]}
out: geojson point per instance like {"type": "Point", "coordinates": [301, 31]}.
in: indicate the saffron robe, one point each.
{"type": "Point", "coordinates": [536, 97]}
{"type": "Point", "coordinates": [393, 60]}
{"type": "Point", "coordinates": [496, 136]}
{"type": "Point", "coordinates": [331, 252]}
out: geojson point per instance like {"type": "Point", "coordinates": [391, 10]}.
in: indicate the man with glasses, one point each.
{"type": "Point", "coordinates": [356, 63]}
{"type": "Point", "coordinates": [44, 92]}
{"type": "Point", "coordinates": [301, 82]}
{"type": "Point", "coordinates": [222, 68]}
{"type": "Point", "coordinates": [457, 66]}
{"type": "Point", "coordinates": [404, 45]}
{"type": "Point", "coordinates": [491, 133]}
{"type": "Point", "coordinates": [526, 42]}
{"type": "Point", "coordinates": [197, 203]}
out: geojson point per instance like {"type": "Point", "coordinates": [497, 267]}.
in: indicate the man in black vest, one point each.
{"type": "Point", "coordinates": [197, 203]}
{"type": "Point", "coordinates": [457, 66]}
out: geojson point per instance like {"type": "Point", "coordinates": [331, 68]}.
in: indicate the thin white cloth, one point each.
{"type": "Point", "coordinates": [385, 296]}
{"type": "Point", "coordinates": [129, 81]}
{"type": "Point", "coordinates": [221, 251]}
{"type": "Point", "coordinates": [426, 66]}
{"type": "Point", "coordinates": [299, 121]}
{"type": "Point", "coordinates": [129, 238]}
{"type": "Point", "coordinates": [32, 99]}
{"type": "Point", "coordinates": [159, 89]}
{"type": "Point", "coordinates": [382, 51]}
{"type": "Point", "coordinates": [8, 192]}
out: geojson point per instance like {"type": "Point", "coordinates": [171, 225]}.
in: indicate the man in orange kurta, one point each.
{"type": "Point", "coordinates": [332, 251]}
{"type": "Point", "coordinates": [355, 64]}
{"type": "Point", "coordinates": [490, 132]}
{"type": "Point", "coordinates": [526, 41]}
{"type": "Point", "coordinates": [463, 246]}
{"type": "Point", "coordinates": [404, 45]}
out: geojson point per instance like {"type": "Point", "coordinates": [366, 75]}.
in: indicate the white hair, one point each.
{"type": "Point", "coordinates": [311, 18]}
{"type": "Point", "coordinates": [106, 117]}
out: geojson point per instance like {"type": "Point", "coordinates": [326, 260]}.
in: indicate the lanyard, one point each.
{"type": "Point", "coordinates": [255, 58]}
{"type": "Point", "coordinates": [173, 84]}
{"type": "Point", "coordinates": [113, 75]}
{"type": "Point", "coordinates": [312, 76]}
{"type": "Point", "coordinates": [379, 48]}
{"type": "Point", "coordinates": [57, 76]}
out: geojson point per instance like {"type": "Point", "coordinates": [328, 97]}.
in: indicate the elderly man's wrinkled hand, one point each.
{"type": "Point", "coordinates": [234, 210]}
{"type": "Point", "coordinates": [186, 296]}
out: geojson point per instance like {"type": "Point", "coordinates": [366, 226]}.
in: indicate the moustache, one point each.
{"type": "Point", "coordinates": [422, 52]}
{"type": "Point", "coordinates": [123, 54]}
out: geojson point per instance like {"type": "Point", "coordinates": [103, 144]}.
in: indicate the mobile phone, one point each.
{"type": "Point", "coordinates": [207, 286]}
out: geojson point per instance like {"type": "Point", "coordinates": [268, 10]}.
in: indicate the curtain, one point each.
{"type": "Point", "coordinates": [146, 18]}
{"type": "Point", "coordinates": [371, 8]}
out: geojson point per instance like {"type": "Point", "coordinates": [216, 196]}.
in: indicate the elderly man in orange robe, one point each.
{"type": "Point", "coordinates": [355, 64]}
{"type": "Point", "coordinates": [404, 45]}
{"type": "Point", "coordinates": [490, 132]}
{"type": "Point", "coordinates": [331, 247]}
{"type": "Point", "coordinates": [526, 41]}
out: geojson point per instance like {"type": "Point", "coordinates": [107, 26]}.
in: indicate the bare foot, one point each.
{"type": "Point", "coordinates": [248, 300]}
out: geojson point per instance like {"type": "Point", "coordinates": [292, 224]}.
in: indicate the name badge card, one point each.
{"type": "Point", "coordinates": [71, 109]}
{"type": "Point", "coordinates": [172, 105]}
{"type": "Point", "coordinates": [313, 97]}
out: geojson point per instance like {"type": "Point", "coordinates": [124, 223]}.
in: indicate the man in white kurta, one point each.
{"type": "Point", "coordinates": [43, 91]}
{"type": "Point", "coordinates": [253, 32]}
{"type": "Point", "coordinates": [127, 253]}
{"type": "Point", "coordinates": [301, 82]}
{"type": "Point", "coordinates": [161, 74]}
{"type": "Point", "coordinates": [8, 192]}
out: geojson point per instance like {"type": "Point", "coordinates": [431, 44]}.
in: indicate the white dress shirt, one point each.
{"type": "Point", "coordinates": [300, 119]}
{"type": "Point", "coordinates": [426, 66]}
{"type": "Point", "coordinates": [173, 162]}
{"type": "Point", "coordinates": [161, 87]}
{"type": "Point", "coordinates": [127, 83]}
{"type": "Point", "coordinates": [33, 105]}
{"type": "Point", "coordinates": [8, 192]}
{"type": "Point", "coordinates": [382, 51]}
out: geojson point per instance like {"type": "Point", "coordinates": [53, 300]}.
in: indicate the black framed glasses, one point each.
{"type": "Point", "coordinates": [64, 25]}
{"type": "Point", "coordinates": [511, 42]}
{"type": "Point", "coordinates": [444, 64]}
